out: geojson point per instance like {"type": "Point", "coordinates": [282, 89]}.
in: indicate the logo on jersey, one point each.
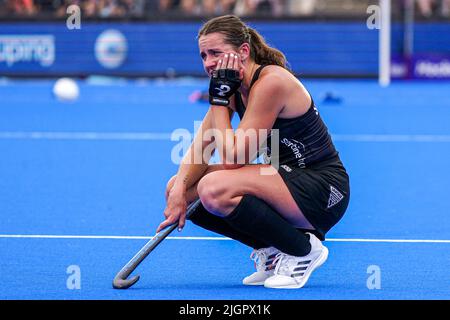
{"type": "Point", "coordinates": [298, 150]}
{"type": "Point", "coordinates": [223, 90]}
{"type": "Point", "coordinates": [285, 167]}
{"type": "Point", "coordinates": [335, 197]}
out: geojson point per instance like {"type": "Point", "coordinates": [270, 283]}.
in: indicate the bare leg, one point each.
{"type": "Point", "coordinates": [222, 190]}
{"type": "Point", "coordinates": [191, 193]}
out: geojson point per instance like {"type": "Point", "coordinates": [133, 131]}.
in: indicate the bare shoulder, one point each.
{"type": "Point", "coordinates": [274, 73]}
{"type": "Point", "coordinates": [293, 96]}
{"type": "Point", "coordinates": [277, 71]}
{"type": "Point", "coordinates": [278, 76]}
{"type": "Point", "coordinates": [273, 78]}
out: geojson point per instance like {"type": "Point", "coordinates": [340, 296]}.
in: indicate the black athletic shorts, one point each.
{"type": "Point", "coordinates": [321, 191]}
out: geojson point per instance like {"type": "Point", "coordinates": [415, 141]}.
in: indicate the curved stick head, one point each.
{"type": "Point", "coordinates": [119, 283]}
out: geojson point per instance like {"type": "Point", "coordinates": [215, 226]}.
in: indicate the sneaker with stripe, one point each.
{"type": "Point", "coordinates": [293, 272]}
{"type": "Point", "coordinates": [263, 259]}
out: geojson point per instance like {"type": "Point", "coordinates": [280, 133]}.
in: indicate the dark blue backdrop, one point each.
{"type": "Point", "coordinates": [313, 48]}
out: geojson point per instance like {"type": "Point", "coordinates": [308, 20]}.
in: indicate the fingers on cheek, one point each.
{"type": "Point", "coordinates": [232, 63]}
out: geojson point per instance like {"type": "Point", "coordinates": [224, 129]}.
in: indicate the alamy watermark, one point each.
{"type": "Point", "coordinates": [74, 19]}
{"type": "Point", "coordinates": [73, 281]}
{"type": "Point", "coordinates": [374, 19]}
{"type": "Point", "coordinates": [234, 146]}
{"type": "Point", "coordinates": [374, 280]}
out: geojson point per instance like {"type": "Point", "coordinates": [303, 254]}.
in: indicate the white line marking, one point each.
{"type": "Point", "coordinates": [133, 136]}
{"type": "Point", "coordinates": [151, 136]}
{"type": "Point", "coordinates": [389, 240]}
{"type": "Point", "coordinates": [391, 138]}
{"type": "Point", "coordinates": [45, 236]}
{"type": "Point", "coordinates": [36, 236]}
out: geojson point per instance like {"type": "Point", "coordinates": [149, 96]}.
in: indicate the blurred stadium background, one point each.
{"type": "Point", "coordinates": [147, 38]}
{"type": "Point", "coordinates": [77, 179]}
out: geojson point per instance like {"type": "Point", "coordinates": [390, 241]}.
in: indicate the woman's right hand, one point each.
{"type": "Point", "coordinates": [175, 209]}
{"type": "Point", "coordinates": [169, 186]}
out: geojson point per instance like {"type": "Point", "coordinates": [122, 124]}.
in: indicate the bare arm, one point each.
{"type": "Point", "coordinates": [191, 169]}
{"type": "Point", "coordinates": [195, 162]}
{"type": "Point", "coordinates": [238, 148]}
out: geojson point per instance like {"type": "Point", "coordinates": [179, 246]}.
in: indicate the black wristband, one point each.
{"type": "Point", "coordinates": [223, 84]}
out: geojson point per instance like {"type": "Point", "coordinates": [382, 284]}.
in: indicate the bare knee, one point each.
{"type": "Point", "coordinates": [214, 195]}
{"type": "Point", "coordinates": [211, 168]}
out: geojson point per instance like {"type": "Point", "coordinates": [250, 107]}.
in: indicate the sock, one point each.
{"type": "Point", "coordinates": [208, 221]}
{"type": "Point", "coordinates": [255, 217]}
{"type": "Point", "coordinates": [318, 234]}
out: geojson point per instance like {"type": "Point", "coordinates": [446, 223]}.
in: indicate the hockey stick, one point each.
{"type": "Point", "coordinates": [120, 281]}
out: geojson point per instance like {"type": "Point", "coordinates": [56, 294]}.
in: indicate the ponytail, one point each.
{"type": "Point", "coordinates": [262, 53]}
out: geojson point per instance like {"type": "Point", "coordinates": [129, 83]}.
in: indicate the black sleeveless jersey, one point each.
{"type": "Point", "coordinates": [302, 141]}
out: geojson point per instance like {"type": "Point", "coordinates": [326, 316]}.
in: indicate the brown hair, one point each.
{"type": "Point", "coordinates": [236, 33]}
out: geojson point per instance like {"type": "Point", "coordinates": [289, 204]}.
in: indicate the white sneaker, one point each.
{"type": "Point", "coordinates": [293, 272]}
{"type": "Point", "coordinates": [264, 259]}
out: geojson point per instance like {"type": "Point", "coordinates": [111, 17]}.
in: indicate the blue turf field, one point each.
{"type": "Point", "coordinates": [80, 182]}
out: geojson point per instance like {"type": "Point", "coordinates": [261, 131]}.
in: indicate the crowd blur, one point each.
{"type": "Point", "coordinates": [191, 8]}
{"type": "Point", "coordinates": [431, 8]}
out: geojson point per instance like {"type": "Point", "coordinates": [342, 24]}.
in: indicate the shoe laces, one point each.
{"type": "Point", "coordinates": [280, 262]}
{"type": "Point", "coordinates": [286, 264]}
{"type": "Point", "coordinates": [263, 258]}
{"type": "Point", "coordinates": [259, 257]}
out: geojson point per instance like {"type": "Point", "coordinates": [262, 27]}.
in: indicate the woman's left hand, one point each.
{"type": "Point", "coordinates": [232, 60]}
{"type": "Point", "coordinates": [225, 80]}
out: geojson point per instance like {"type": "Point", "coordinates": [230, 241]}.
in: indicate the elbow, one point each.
{"type": "Point", "coordinates": [234, 162]}
{"type": "Point", "coordinates": [235, 159]}
{"type": "Point", "coordinates": [240, 158]}
{"type": "Point", "coordinates": [231, 166]}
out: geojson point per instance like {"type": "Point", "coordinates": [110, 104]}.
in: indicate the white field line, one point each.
{"type": "Point", "coordinates": [151, 136]}
{"type": "Point", "coordinates": [36, 236]}
{"type": "Point", "coordinates": [391, 138]}
{"type": "Point", "coordinates": [133, 136]}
